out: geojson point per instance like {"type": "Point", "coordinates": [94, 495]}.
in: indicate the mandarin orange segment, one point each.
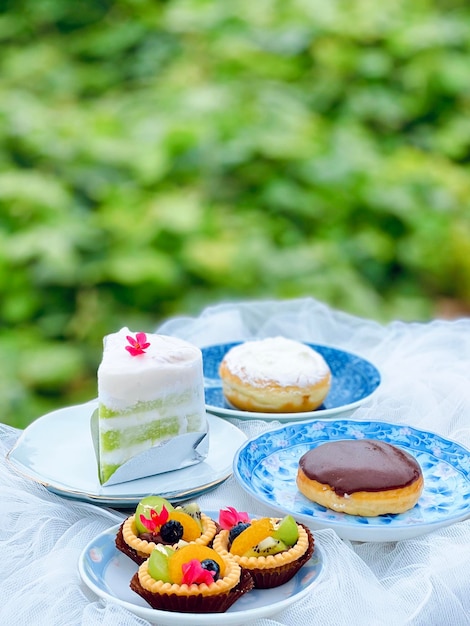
{"type": "Point", "coordinates": [186, 554]}
{"type": "Point", "coordinates": [191, 529]}
{"type": "Point", "coordinates": [256, 532]}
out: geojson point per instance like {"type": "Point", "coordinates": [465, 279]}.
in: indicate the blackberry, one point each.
{"type": "Point", "coordinates": [211, 566]}
{"type": "Point", "coordinates": [171, 531]}
{"type": "Point", "coordinates": [236, 530]}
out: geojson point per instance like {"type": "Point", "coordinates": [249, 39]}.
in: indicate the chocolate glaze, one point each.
{"type": "Point", "coordinates": [360, 465]}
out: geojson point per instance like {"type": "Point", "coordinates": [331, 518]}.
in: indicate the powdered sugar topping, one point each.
{"type": "Point", "coordinates": [276, 360]}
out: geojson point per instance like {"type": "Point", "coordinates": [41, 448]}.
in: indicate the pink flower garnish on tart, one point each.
{"type": "Point", "coordinates": [193, 572]}
{"type": "Point", "coordinates": [156, 519]}
{"type": "Point", "coordinates": [138, 345]}
{"type": "Point", "coordinates": [230, 517]}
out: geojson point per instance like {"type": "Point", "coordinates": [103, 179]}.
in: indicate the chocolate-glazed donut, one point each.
{"type": "Point", "coordinates": [360, 477]}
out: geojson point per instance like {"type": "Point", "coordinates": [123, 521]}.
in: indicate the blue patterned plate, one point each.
{"type": "Point", "coordinates": [353, 380]}
{"type": "Point", "coordinates": [107, 572]}
{"type": "Point", "coordinates": [266, 467]}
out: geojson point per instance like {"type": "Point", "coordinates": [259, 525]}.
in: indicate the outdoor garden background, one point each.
{"type": "Point", "coordinates": [159, 156]}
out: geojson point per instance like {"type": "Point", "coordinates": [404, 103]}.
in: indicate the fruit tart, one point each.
{"type": "Point", "coordinates": [156, 522]}
{"type": "Point", "coordinates": [191, 579]}
{"type": "Point", "coordinates": [271, 549]}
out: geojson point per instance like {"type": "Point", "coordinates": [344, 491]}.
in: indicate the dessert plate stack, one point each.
{"type": "Point", "coordinates": [107, 572]}
{"type": "Point", "coordinates": [57, 451]}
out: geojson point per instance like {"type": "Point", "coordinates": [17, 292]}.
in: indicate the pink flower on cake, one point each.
{"type": "Point", "coordinates": [230, 517]}
{"type": "Point", "coordinates": [156, 519]}
{"type": "Point", "coordinates": [138, 345]}
{"type": "Point", "coordinates": [193, 572]}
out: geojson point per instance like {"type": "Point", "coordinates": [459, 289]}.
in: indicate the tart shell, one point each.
{"type": "Point", "coordinates": [274, 570]}
{"type": "Point", "coordinates": [129, 542]}
{"type": "Point", "coordinates": [214, 598]}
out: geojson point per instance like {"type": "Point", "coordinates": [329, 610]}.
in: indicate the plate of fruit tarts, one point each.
{"type": "Point", "coordinates": [157, 522]}
{"type": "Point", "coordinates": [158, 582]}
{"type": "Point", "coordinates": [272, 549]}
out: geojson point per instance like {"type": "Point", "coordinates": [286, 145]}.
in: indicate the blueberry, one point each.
{"type": "Point", "coordinates": [172, 531]}
{"type": "Point", "coordinates": [236, 530]}
{"type": "Point", "coordinates": [211, 566]}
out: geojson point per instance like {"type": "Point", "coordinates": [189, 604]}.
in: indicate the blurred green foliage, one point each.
{"type": "Point", "coordinates": [158, 156]}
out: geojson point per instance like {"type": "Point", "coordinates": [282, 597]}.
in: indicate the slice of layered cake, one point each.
{"type": "Point", "coordinates": [150, 392]}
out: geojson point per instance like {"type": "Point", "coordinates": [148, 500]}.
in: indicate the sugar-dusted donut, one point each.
{"type": "Point", "coordinates": [275, 375]}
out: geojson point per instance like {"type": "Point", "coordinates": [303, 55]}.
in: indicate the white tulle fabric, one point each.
{"type": "Point", "coordinates": [420, 582]}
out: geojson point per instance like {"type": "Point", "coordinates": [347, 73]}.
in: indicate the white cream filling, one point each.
{"type": "Point", "coordinates": [130, 420]}
{"type": "Point", "coordinates": [142, 419]}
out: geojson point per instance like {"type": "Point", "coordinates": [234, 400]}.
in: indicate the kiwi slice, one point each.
{"type": "Point", "coordinates": [192, 509]}
{"type": "Point", "coordinates": [267, 546]}
{"type": "Point", "coordinates": [287, 531]}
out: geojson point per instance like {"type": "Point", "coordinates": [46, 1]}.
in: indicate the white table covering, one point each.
{"type": "Point", "coordinates": [421, 582]}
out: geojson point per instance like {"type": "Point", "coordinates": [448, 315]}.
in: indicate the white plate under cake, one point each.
{"type": "Point", "coordinates": [57, 451]}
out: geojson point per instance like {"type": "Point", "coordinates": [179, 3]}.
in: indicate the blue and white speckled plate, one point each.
{"type": "Point", "coordinates": [107, 572]}
{"type": "Point", "coordinates": [353, 379]}
{"type": "Point", "coordinates": [266, 467]}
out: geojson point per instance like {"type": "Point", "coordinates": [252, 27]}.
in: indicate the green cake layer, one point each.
{"type": "Point", "coordinates": [157, 430]}
{"type": "Point", "coordinates": [143, 435]}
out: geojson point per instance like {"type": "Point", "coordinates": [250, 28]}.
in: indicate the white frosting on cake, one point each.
{"type": "Point", "coordinates": [276, 359]}
{"type": "Point", "coordinates": [168, 366]}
